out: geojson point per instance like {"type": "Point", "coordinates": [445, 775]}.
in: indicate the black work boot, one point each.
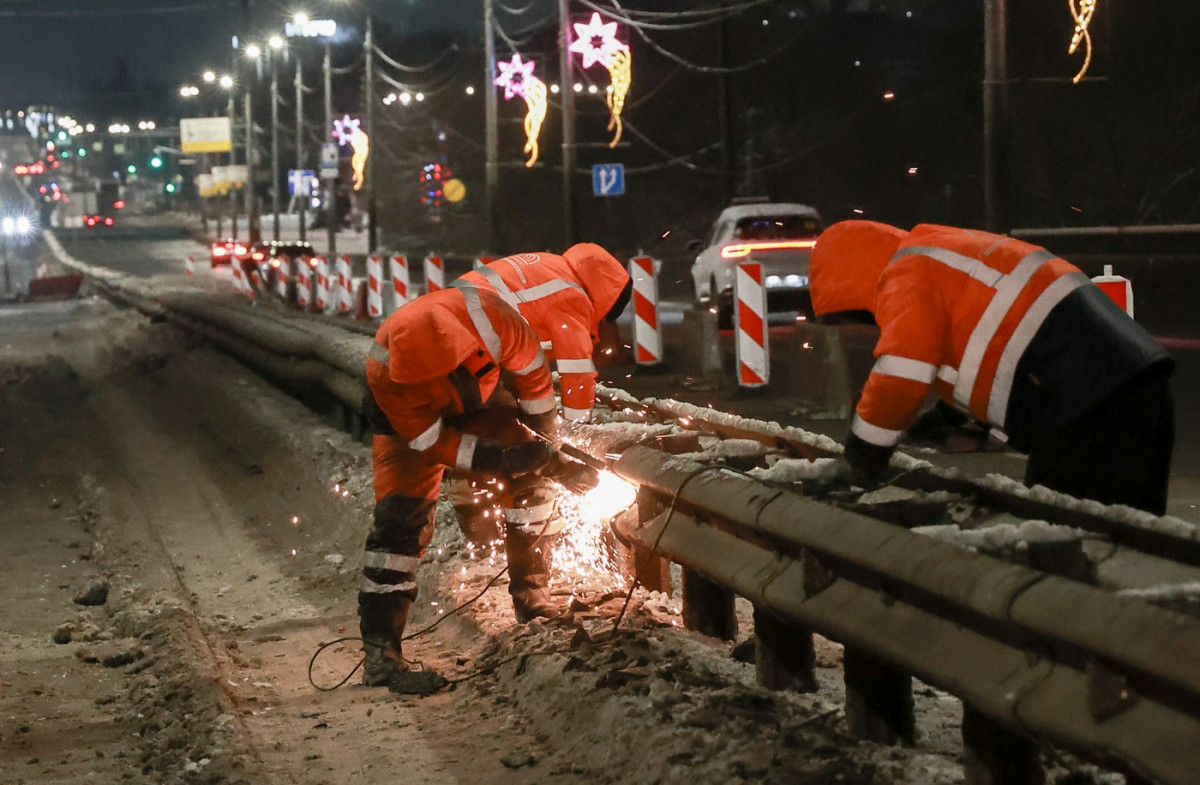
{"type": "Point", "coordinates": [381, 624]}
{"type": "Point", "coordinates": [529, 576]}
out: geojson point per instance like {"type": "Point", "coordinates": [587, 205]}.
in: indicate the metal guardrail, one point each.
{"type": "Point", "coordinates": [1032, 655]}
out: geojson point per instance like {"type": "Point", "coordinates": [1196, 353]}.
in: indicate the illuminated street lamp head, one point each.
{"type": "Point", "coordinates": [252, 51]}
{"type": "Point", "coordinates": [226, 81]}
{"type": "Point", "coordinates": [275, 42]}
{"type": "Point", "coordinates": [209, 76]}
{"type": "Point", "coordinates": [301, 19]}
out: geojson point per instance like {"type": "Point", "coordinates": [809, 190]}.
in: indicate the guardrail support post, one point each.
{"type": "Point", "coordinates": [652, 572]}
{"type": "Point", "coordinates": [708, 607]}
{"type": "Point", "coordinates": [993, 756]}
{"type": "Point", "coordinates": [783, 654]}
{"type": "Point", "coordinates": [879, 701]}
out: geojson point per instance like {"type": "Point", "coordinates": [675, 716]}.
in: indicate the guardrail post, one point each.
{"type": "Point", "coordinates": [702, 349]}
{"type": "Point", "coordinates": [784, 657]}
{"type": "Point", "coordinates": [708, 607]}
{"type": "Point", "coordinates": [879, 701]}
{"type": "Point", "coordinates": [993, 756]}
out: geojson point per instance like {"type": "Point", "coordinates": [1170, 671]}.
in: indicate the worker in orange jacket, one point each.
{"type": "Point", "coordinates": [1011, 335]}
{"type": "Point", "coordinates": [564, 298]}
{"type": "Point", "coordinates": [434, 372]}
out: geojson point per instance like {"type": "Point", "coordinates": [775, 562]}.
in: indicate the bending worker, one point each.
{"type": "Point", "coordinates": [433, 365]}
{"type": "Point", "coordinates": [564, 298]}
{"type": "Point", "coordinates": [1015, 337]}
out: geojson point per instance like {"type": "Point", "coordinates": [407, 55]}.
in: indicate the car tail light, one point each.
{"type": "Point", "coordinates": [219, 251]}
{"type": "Point", "coordinates": [239, 250]}
{"type": "Point", "coordinates": [258, 256]}
{"type": "Point", "coordinates": [119, 204]}
{"type": "Point", "coordinates": [738, 250]}
{"type": "Point", "coordinates": [312, 262]}
{"type": "Point", "coordinates": [276, 263]}
{"type": "Point", "coordinates": [108, 222]}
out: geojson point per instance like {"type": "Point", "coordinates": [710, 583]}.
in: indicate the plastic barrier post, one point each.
{"type": "Point", "coordinates": [282, 278]}
{"type": "Point", "coordinates": [647, 335]}
{"type": "Point", "coordinates": [1119, 288]}
{"type": "Point", "coordinates": [435, 274]}
{"type": "Point", "coordinates": [750, 308]}
{"type": "Point", "coordinates": [345, 284]}
{"type": "Point", "coordinates": [303, 283]}
{"type": "Point", "coordinates": [399, 274]}
{"type": "Point", "coordinates": [481, 261]}
{"type": "Point", "coordinates": [374, 287]}
{"type": "Point", "coordinates": [322, 299]}
{"type": "Point", "coordinates": [189, 265]}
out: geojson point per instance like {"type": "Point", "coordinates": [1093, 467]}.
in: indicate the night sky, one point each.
{"type": "Point", "coordinates": [50, 50]}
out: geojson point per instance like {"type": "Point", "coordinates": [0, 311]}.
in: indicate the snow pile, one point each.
{"type": "Point", "coordinates": [1001, 538]}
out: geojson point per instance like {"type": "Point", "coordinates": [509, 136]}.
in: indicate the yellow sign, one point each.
{"type": "Point", "coordinates": [205, 135]}
{"type": "Point", "coordinates": [454, 189]}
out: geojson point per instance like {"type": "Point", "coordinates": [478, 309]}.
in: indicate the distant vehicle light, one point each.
{"type": "Point", "coordinates": [276, 262]}
{"type": "Point", "coordinates": [239, 250]}
{"type": "Point", "coordinates": [258, 256]}
{"type": "Point", "coordinates": [119, 204]}
{"type": "Point", "coordinates": [312, 262]}
{"type": "Point", "coordinates": [738, 250]}
{"type": "Point", "coordinates": [219, 251]}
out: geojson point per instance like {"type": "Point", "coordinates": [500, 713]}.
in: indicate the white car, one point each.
{"type": "Point", "coordinates": [779, 235]}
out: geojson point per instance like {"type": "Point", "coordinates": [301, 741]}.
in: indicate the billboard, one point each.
{"type": "Point", "coordinates": [205, 135]}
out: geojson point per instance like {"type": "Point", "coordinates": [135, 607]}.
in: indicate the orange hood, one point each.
{"type": "Point", "coordinates": [846, 263]}
{"type": "Point", "coordinates": [428, 338]}
{"type": "Point", "coordinates": [602, 276]}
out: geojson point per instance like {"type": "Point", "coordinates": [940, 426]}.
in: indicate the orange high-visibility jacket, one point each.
{"type": "Point", "coordinates": [564, 298]}
{"type": "Point", "coordinates": [441, 355]}
{"type": "Point", "coordinates": [1005, 330]}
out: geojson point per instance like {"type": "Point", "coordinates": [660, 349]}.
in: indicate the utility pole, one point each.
{"type": "Point", "coordinates": [275, 145]}
{"type": "Point", "coordinates": [995, 114]}
{"type": "Point", "coordinates": [251, 197]}
{"type": "Point", "coordinates": [369, 120]}
{"type": "Point", "coordinates": [492, 120]}
{"type": "Point", "coordinates": [330, 183]}
{"type": "Point", "coordinates": [568, 121]}
{"type": "Point", "coordinates": [232, 191]}
{"type": "Point", "coordinates": [303, 200]}
{"type": "Point", "coordinates": [724, 106]}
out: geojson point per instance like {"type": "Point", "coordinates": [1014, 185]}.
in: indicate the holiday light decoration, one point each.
{"type": "Point", "coordinates": [516, 77]}
{"type": "Point", "coordinates": [1081, 12]}
{"type": "Point", "coordinates": [347, 131]}
{"type": "Point", "coordinates": [597, 42]}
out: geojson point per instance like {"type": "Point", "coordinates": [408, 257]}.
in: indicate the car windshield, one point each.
{"type": "Point", "coordinates": [777, 227]}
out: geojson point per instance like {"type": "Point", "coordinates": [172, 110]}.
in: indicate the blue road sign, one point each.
{"type": "Point", "coordinates": [301, 181]}
{"type": "Point", "coordinates": [608, 179]}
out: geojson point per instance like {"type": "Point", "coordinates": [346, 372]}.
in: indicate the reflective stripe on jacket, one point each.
{"type": "Point", "coordinates": [564, 302]}
{"type": "Point", "coordinates": [441, 355]}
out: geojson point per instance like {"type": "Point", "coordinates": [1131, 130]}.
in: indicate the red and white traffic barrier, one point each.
{"type": "Point", "coordinates": [1118, 287]}
{"type": "Point", "coordinates": [321, 301]}
{"type": "Point", "coordinates": [252, 285]}
{"type": "Point", "coordinates": [481, 261]}
{"type": "Point", "coordinates": [189, 265]}
{"type": "Point", "coordinates": [435, 274]}
{"type": "Point", "coordinates": [42, 270]}
{"type": "Point", "coordinates": [647, 334]}
{"type": "Point", "coordinates": [399, 275]}
{"type": "Point", "coordinates": [750, 309]}
{"type": "Point", "coordinates": [303, 283]}
{"type": "Point", "coordinates": [374, 286]}
{"type": "Point", "coordinates": [239, 277]}
{"type": "Point", "coordinates": [345, 286]}
{"type": "Point", "coordinates": [283, 277]}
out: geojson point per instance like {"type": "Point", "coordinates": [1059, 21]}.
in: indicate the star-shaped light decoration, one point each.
{"type": "Point", "coordinates": [348, 131]}
{"type": "Point", "coordinates": [597, 42]}
{"type": "Point", "coordinates": [516, 77]}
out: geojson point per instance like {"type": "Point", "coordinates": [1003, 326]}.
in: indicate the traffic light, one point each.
{"type": "Point", "coordinates": [433, 178]}
{"type": "Point", "coordinates": [169, 188]}
{"type": "Point", "coordinates": [81, 152]}
{"type": "Point", "coordinates": [132, 169]}
{"type": "Point", "coordinates": [156, 162]}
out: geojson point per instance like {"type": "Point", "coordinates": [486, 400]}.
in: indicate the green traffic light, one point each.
{"type": "Point", "coordinates": [82, 153]}
{"type": "Point", "coordinates": [66, 154]}
{"type": "Point", "coordinates": [170, 188]}
{"type": "Point", "coordinates": [131, 169]}
{"type": "Point", "coordinates": [156, 162]}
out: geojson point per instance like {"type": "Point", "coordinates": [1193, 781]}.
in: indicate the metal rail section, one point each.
{"type": "Point", "coordinates": [1041, 657]}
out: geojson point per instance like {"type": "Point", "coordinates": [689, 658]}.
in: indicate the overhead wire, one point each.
{"type": "Point", "coordinates": [412, 69]}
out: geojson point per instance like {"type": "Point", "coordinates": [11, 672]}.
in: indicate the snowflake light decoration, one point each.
{"type": "Point", "coordinates": [516, 77]}
{"type": "Point", "coordinates": [348, 131]}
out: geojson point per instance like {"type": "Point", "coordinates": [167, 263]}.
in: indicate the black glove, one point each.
{"type": "Point", "coordinates": [546, 423]}
{"type": "Point", "coordinates": [493, 458]}
{"type": "Point", "coordinates": [837, 475]}
{"type": "Point", "coordinates": [576, 477]}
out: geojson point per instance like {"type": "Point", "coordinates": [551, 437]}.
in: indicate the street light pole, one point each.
{"type": "Point", "coordinates": [330, 183]}
{"type": "Point", "coordinates": [568, 121]}
{"type": "Point", "coordinates": [995, 113]}
{"type": "Point", "coordinates": [274, 143]}
{"type": "Point", "coordinates": [233, 205]}
{"type": "Point", "coordinates": [251, 197]}
{"type": "Point", "coordinates": [369, 119]}
{"type": "Point", "coordinates": [492, 112]}
{"type": "Point", "coordinates": [303, 200]}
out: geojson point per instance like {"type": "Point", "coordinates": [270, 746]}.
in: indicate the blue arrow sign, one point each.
{"type": "Point", "coordinates": [608, 179]}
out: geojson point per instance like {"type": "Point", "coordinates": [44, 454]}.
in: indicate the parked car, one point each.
{"type": "Point", "coordinates": [226, 251]}
{"type": "Point", "coordinates": [290, 249]}
{"type": "Point", "coordinates": [779, 235]}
